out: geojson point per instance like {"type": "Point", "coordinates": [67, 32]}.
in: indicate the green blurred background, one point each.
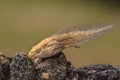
{"type": "Point", "coordinates": [23, 23]}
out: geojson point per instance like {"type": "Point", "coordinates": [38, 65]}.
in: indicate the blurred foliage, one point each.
{"type": "Point", "coordinates": [24, 23]}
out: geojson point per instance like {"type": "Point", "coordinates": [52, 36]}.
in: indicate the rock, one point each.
{"type": "Point", "coordinates": [22, 68]}
{"type": "Point", "coordinates": [4, 67]}
{"type": "Point", "coordinates": [71, 72]}
{"type": "Point", "coordinates": [52, 68]}
{"type": "Point", "coordinates": [99, 72]}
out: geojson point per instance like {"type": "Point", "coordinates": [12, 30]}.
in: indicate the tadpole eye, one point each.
{"type": "Point", "coordinates": [37, 51]}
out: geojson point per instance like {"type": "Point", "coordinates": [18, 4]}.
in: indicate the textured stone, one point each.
{"type": "Point", "coordinates": [99, 72]}
{"type": "Point", "coordinates": [22, 68]}
{"type": "Point", "coordinates": [4, 67]}
{"type": "Point", "coordinates": [71, 72]}
{"type": "Point", "coordinates": [52, 68]}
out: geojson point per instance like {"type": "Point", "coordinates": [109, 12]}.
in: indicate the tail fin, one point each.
{"type": "Point", "coordinates": [76, 35]}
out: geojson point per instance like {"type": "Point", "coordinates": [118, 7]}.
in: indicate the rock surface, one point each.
{"type": "Point", "coordinates": [4, 67]}
{"type": "Point", "coordinates": [22, 68]}
{"type": "Point", "coordinates": [53, 68]}
{"type": "Point", "coordinates": [99, 72]}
